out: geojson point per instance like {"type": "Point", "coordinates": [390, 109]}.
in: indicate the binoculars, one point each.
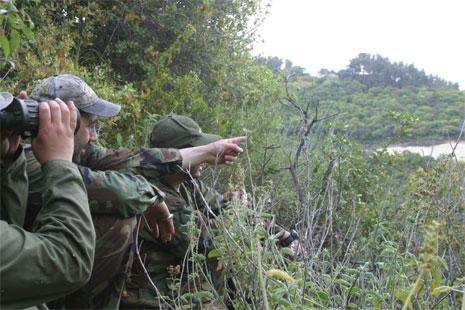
{"type": "Point", "coordinates": [22, 117]}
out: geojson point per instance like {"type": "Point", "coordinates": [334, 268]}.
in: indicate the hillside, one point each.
{"type": "Point", "coordinates": [375, 109]}
{"type": "Point", "coordinates": [380, 114]}
{"type": "Point", "coordinates": [377, 231]}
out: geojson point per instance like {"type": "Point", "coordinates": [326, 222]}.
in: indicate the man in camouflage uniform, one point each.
{"type": "Point", "coordinates": [115, 197]}
{"type": "Point", "coordinates": [56, 258]}
{"type": "Point", "coordinates": [189, 200]}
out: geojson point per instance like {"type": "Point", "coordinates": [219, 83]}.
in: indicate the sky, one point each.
{"type": "Point", "coordinates": [317, 34]}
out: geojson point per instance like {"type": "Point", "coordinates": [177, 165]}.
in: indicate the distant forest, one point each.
{"type": "Point", "coordinates": [379, 101]}
{"type": "Point", "coordinates": [378, 231]}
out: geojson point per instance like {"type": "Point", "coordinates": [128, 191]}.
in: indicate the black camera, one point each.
{"type": "Point", "coordinates": [22, 117]}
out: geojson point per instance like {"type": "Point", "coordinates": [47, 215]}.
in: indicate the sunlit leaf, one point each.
{"type": "Point", "coordinates": [27, 31]}
{"type": "Point", "coordinates": [5, 46]}
{"type": "Point", "coordinates": [14, 41]}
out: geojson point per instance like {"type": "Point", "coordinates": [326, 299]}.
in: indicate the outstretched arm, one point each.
{"type": "Point", "coordinates": [223, 151]}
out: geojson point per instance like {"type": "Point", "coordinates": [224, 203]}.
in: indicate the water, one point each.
{"type": "Point", "coordinates": [433, 150]}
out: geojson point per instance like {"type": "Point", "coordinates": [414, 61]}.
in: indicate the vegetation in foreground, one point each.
{"type": "Point", "coordinates": [379, 231]}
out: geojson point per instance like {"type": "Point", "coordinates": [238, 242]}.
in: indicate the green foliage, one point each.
{"type": "Point", "coordinates": [366, 218]}
{"type": "Point", "coordinates": [375, 70]}
{"type": "Point", "coordinates": [424, 109]}
{"type": "Point", "coordinates": [379, 115]}
{"type": "Point", "coordinates": [16, 26]}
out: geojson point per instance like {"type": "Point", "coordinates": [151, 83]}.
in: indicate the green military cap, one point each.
{"type": "Point", "coordinates": [178, 131]}
{"type": "Point", "coordinates": [69, 87]}
{"type": "Point", "coordinates": [5, 100]}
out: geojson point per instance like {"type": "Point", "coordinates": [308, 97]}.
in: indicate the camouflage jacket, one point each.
{"type": "Point", "coordinates": [191, 205]}
{"type": "Point", "coordinates": [164, 262]}
{"type": "Point", "coordinates": [110, 191]}
{"type": "Point", "coordinates": [57, 257]}
{"type": "Point", "coordinates": [168, 263]}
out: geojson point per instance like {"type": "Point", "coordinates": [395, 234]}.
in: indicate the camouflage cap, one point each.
{"type": "Point", "coordinates": [5, 100]}
{"type": "Point", "coordinates": [69, 87]}
{"type": "Point", "coordinates": [178, 131]}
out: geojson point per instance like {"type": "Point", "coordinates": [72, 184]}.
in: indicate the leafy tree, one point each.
{"type": "Point", "coordinates": [375, 70]}
{"type": "Point", "coordinates": [16, 26]}
{"type": "Point", "coordinates": [378, 228]}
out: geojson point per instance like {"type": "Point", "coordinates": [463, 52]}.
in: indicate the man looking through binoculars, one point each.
{"type": "Point", "coordinates": [115, 197]}
{"type": "Point", "coordinates": [56, 258]}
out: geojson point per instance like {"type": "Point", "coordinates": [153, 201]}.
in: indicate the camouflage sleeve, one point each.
{"type": "Point", "coordinates": [114, 192]}
{"type": "Point", "coordinates": [123, 185]}
{"type": "Point", "coordinates": [110, 192]}
{"type": "Point", "coordinates": [14, 186]}
{"type": "Point", "coordinates": [57, 258]}
{"type": "Point", "coordinates": [157, 161]}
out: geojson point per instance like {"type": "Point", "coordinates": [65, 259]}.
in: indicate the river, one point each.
{"type": "Point", "coordinates": [433, 150]}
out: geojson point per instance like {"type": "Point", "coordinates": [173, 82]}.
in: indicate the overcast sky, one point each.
{"type": "Point", "coordinates": [319, 34]}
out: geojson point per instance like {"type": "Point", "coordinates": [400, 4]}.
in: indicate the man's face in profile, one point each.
{"type": "Point", "coordinates": [86, 134]}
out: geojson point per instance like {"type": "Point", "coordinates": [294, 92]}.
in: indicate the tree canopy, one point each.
{"type": "Point", "coordinates": [375, 70]}
{"type": "Point", "coordinates": [379, 230]}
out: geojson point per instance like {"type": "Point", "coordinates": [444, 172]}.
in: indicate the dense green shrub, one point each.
{"type": "Point", "coordinates": [379, 231]}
